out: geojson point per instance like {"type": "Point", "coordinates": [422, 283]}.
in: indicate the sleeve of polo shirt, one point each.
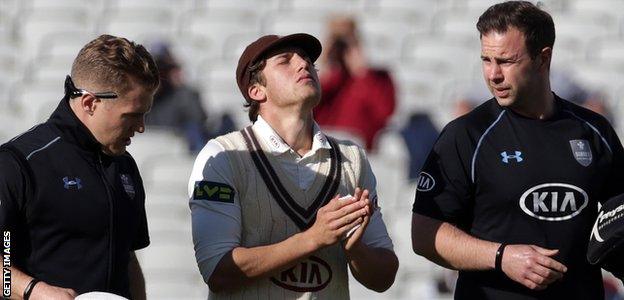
{"type": "Point", "coordinates": [443, 187]}
{"type": "Point", "coordinates": [376, 234]}
{"type": "Point", "coordinates": [215, 208]}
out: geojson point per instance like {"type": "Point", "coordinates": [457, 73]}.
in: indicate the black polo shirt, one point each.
{"type": "Point", "coordinates": [506, 178]}
{"type": "Point", "coordinates": [74, 213]}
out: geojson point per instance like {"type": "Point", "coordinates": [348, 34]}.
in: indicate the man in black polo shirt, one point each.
{"type": "Point", "coordinates": [71, 197]}
{"type": "Point", "coordinates": [509, 193]}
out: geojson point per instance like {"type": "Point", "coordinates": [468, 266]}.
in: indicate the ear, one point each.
{"type": "Point", "coordinates": [88, 103]}
{"type": "Point", "coordinates": [257, 92]}
{"type": "Point", "coordinates": [545, 58]}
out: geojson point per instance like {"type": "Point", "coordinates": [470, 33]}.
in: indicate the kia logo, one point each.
{"type": "Point", "coordinates": [310, 275]}
{"type": "Point", "coordinates": [425, 182]}
{"type": "Point", "coordinates": [554, 201]}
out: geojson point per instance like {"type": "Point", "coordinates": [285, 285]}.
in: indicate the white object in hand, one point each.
{"type": "Point", "coordinates": [352, 230]}
{"type": "Point", "coordinates": [99, 296]}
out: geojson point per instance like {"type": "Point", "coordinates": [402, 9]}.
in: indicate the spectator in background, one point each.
{"type": "Point", "coordinates": [596, 101]}
{"type": "Point", "coordinates": [419, 135]}
{"type": "Point", "coordinates": [568, 88]}
{"type": "Point", "coordinates": [470, 98]}
{"type": "Point", "coordinates": [177, 105]}
{"type": "Point", "coordinates": [356, 98]}
{"type": "Point", "coordinates": [565, 86]}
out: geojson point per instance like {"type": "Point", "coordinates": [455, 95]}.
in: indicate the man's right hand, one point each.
{"type": "Point", "coordinates": [335, 219]}
{"type": "Point", "coordinates": [532, 266]}
{"type": "Point", "coordinates": [43, 291]}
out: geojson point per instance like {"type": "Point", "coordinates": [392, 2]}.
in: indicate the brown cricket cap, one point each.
{"type": "Point", "coordinates": [253, 52]}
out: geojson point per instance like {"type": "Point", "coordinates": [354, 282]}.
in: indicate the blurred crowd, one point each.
{"type": "Point", "coordinates": [358, 98]}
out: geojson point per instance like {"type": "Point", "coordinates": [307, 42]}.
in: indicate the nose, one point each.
{"type": "Point", "coordinates": [494, 72]}
{"type": "Point", "coordinates": [302, 61]}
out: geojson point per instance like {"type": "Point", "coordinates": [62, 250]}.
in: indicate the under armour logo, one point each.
{"type": "Point", "coordinates": [71, 184]}
{"type": "Point", "coordinates": [507, 157]}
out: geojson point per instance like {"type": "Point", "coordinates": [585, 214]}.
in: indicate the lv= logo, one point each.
{"type": "Point", "coordinates": [213, 191]}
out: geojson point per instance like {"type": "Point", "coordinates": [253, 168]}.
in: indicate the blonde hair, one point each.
{"type": "Point", "coordinates": [110, 62]}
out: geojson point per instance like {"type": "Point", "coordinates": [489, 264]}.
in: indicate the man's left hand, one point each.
{"type": "Point", "coordinates": [353, 241]}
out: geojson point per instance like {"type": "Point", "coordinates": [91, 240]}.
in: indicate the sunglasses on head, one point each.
{"type": "Point", "coordinates": [72, 91]}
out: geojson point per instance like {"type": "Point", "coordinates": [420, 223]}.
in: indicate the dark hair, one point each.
{"type": "Point", "coordinates": [108, 61]}
{"type": "Point", "coordinates": [256, 77]}
{"type": "Point", "coordinates": [536, 25]}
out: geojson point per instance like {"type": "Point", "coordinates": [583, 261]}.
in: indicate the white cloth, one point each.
{"type": "Point", "coordinates": [216, 226]}
{"type": "Point", "coordinates": [99, 296]}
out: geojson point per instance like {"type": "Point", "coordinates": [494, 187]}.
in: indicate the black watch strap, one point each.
{"type": "Point", "coordinates": [498, 261]}
{"type": "Point", "coordinates": [29, 288]}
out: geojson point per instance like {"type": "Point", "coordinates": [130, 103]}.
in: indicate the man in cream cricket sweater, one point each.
{"type": "Point", "coordinates": [279, 209]}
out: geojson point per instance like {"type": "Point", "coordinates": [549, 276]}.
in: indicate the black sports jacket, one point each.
{"type": "Point", "coordinates": [74, 213]}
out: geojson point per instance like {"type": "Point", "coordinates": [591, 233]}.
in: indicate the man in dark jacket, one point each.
{"type": "Point", "coordinates": [71, 197]}
{"type": "Point", "coordinates": [509, 192]}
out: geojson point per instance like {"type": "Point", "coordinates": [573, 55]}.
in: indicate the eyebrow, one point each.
{"type": "Point", "coordinates": [501, 58]}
